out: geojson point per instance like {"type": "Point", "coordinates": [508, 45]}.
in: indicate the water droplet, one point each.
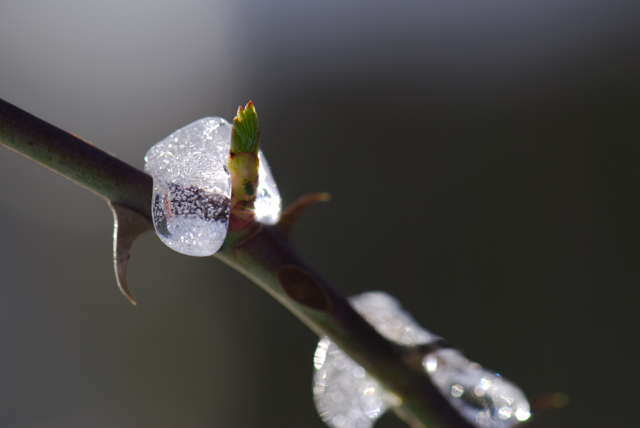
{"type": "Point", "coordinates": [481, 396]}
{"type": "Point", "coordinates": [191, 186]}
{"type": "Point", "coordinates": [386, 315]}
{"type": "Point", "coordinates": [505, 412]}
{"type": "Point", "coordinates": [523, 413]}
{"type": "Point", "coordinates": [431, 363]}
{"type": "Point", "coordinates": [457, 390]}
{"type": "Point", "coordinates": [359, 372]}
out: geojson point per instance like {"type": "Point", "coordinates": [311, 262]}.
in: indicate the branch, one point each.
{"type": "Point", "coordinates": [74, 158]}
{"type": "Point", "coordinates": [261, 253]}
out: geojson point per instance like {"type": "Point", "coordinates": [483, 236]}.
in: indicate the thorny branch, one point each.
{"type": "Point", "coordinates": [262, 253]}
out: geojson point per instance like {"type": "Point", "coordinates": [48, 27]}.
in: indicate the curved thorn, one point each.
{"type": "Point", "coordinates": [290, 215]}
{"type": "Point", "coordinates": [127, 226]}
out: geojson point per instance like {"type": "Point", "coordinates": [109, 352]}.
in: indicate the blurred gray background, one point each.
{"type": "Point", "coordinates": [483, 158]}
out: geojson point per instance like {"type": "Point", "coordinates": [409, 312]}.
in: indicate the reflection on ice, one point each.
{"type": "Point", "coordinates": [347, 397]}
{"type": "Point", "coordinates": [482, 397]}
{"type": "Point", "coordinates": [192, 187]}
{"type": "Point", "coordinates": [268, 204]}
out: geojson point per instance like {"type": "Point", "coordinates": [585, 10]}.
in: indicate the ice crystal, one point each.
{"type": "Point", "coordinates": [346, 396]}
{"type": "Point", "coordinates": [192, 188]}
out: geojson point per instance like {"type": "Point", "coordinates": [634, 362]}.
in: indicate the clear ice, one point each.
{"type": "Point", "coordinates": [347, 397]}
{"type": "Point", "coordinates": [344, 393]}
{"type": "Point", "coordinates": [268, 204]}
{"type": "Point", "coordinates": [481, 396]}
{"type": "Point", "coordinates": [387, 316]}
{"type": "Point", "coordinates": [192, 188]}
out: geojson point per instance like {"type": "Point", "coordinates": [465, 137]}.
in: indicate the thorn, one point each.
{"type": "Point", "coordinates": [290, 215]}
{"type": "Point", "coordinates": [545, 402]}
{"type": "Point", "coordinates": [128, 225]}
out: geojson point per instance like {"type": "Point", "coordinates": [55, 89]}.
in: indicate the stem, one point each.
{"type": "Point", "coordinates": [265, 252]}
{"type": "Point", "coordinates": [74, 158]}
{"type": "Point", "coordinates": [258, 252]}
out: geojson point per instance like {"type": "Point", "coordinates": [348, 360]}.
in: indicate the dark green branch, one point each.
{"type": "Point", "coordinates": [74, 158]}
{"type": "Point", "coordinates": [259, 252]}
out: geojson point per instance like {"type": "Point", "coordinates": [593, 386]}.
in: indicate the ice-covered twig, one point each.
{"type": "Point", "coordinates": [260, 252]}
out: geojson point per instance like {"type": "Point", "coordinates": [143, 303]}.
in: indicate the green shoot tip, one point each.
{"type": "Point", "coordinates": [245, 136]}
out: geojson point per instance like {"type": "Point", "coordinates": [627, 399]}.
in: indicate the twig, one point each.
{"type": "Point", "coordinates": [261, 253]}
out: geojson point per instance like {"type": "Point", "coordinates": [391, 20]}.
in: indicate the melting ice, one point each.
{"type": "Point", "coordinates": [268, 204]}
{"type": "Point", "coordinates": [192, 187]}
{"type": "Point", "coordinates": [481, 396]}
{"type": "Point", "coordinates": [347, 397]}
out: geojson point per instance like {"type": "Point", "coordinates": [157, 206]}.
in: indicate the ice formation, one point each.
{"type": "Point", "coordinates": [481, 396]}
{"type": "Point", "coordinates": [192, 187]}
{"type": "Point", "coordinates": [268, 204]}
{"type": "Point", "coordinates": [347, 397]}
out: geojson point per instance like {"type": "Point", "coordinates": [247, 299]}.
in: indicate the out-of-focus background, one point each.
{"type": "Point", "coordinates": [483, 158]}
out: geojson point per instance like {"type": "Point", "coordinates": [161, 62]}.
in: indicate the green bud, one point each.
{"type": "Point", "coordinates": [245, 136]}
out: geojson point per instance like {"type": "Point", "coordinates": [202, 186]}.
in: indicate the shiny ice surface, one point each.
{"type": "Point", "coordinates": [387, 316]}
{"type": "Point", "coordinates": [192, 187]}
{"type": "Point", "coordinates": [484, 398]}
{"type": "Point", "coordinates": [347, 397]}
{"type": "Point", "coordinates": [268, 203]}
{"type": "Point", "coordinates": [344, 394]}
